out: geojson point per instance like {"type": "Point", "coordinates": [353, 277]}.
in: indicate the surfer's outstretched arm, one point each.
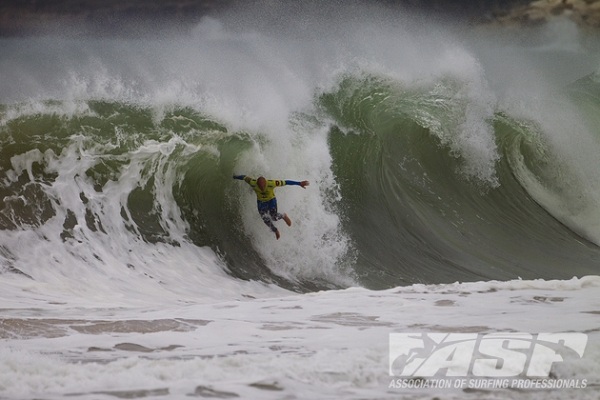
{"type": "Point", "coordinates": [302, 184]}
{"type": "Point", "coordinates": [244, 178]}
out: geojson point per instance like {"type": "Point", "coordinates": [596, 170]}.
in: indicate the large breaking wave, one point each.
{"type": "Point", "coordinates": [428, 161]}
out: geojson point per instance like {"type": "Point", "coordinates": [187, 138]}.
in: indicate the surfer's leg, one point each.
{"type": "Point", "coordinates": [265, 214]}
{"type": "Point", "coordinates": [287, 220]}
{"type": "Point", "coordinates": [268, 221]}
{"type": "Point", "coordinates": [275, 215]}
{"type": "Point", "coordinates": [269, 215]}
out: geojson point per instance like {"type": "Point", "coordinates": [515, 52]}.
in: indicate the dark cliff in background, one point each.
{"type": "Point", "coordinates": [133, 17]}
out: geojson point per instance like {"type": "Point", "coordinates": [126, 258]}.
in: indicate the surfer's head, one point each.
{"type": "Point", "coordinates": [262, 183]}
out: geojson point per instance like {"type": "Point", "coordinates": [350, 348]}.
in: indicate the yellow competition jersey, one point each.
{"type": "Point", "coordinates": [269, 192]}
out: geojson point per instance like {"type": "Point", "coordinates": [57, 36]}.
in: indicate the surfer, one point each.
{"type": "Point", "coordinates": [266, 200]}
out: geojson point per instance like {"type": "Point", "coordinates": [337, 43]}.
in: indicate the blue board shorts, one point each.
{"type": "Point", "coordinates": [269, 207]}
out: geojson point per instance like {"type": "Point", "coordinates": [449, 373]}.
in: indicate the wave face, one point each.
{"type": "Point", "coordinates": [460, 199]}
{"type": "Point", "coordinates": [433, 156]}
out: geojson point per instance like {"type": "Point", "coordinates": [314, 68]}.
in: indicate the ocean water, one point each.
{"type": "Point", "coordinates": [454, 188]}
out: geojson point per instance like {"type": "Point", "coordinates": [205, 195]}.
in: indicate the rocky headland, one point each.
{"type": "Point", "coordinates": [586, 13]}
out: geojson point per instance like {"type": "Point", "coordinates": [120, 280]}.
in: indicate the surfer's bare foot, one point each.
{"type": "Point", "coordinates": [277, 235]}
{"type": "Point", "coordinates": [287, 220]}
